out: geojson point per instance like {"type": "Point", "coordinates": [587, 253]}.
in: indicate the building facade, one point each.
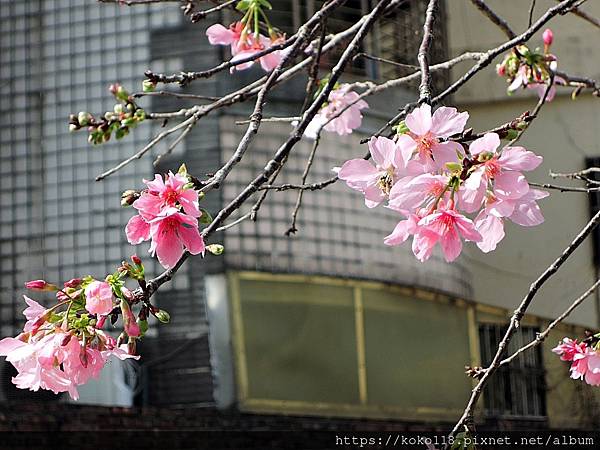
{"type": "Point", "coordinates": [326, 322]}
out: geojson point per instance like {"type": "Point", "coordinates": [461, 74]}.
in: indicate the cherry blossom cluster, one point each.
{"type": "Point", "coordinates": [340, 114]}
{"type": "Point", "coordinates": [124, 116]}
{"type": "Point", "coordinates": [524, 68]}
{"type": "Point", "coordinates": [433, 181]}
{"type": "Point", "coordinates": [245, 38]}
{"type": "Point", "coordinates": [584, 358]}
{"type": "Point", "coordinates": [168, 216]}
{"type": "Point", "coordinates": [64, 346]}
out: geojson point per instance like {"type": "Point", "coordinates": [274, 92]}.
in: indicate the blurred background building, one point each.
{"type": "Point", "coordinates": [326, 322]}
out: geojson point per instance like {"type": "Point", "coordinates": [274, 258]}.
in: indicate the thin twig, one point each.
{"type": "Point", "coordinates": [292, 229]}
{"type": "Point", "coordinates": [562, 8]}
{"type": "Point", "coordinates": [174, 94]}
{"type": "Point", "coordinates": [536, 110]}
{"type": "Point", "coordinates": [531, 9]}
{"type": "Point", "coordinates": [304, 33]}
{"type": "Point", "coordinates": [270, 119]}
{"type": "Point", "coordinates": [495, 18]}
{"type": "Point", "coordinates": [564, 188]}
{"type": "Point", "coordinates": [423, 55]}
{"type": "Point", "coordinates": [385, 61]}
{"type": "Point", "coordinates": [159, 137]}
{"type": "Point", "coordinates": [199, 15]}
{"type": "Point", "coordinates": [585, 16]}
{"type": "Point", "coordinates": [544, 334]}
{"type": "Point", "coordinates": [139, 2]}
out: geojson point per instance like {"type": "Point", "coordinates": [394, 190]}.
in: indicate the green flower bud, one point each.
{"type": "Point", "coordinates": [148, 86]}
{"type": "Point", "coordinates": [83, 118]}
{"type": "Point", "coordinates": [215, 249]}
{"type": "Point", "coordinates": [511, 134]}
{"type": "Point", "coordinates": [163, 316]}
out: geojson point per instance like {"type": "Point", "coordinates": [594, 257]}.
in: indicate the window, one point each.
{"type": "Point", "coordinates": [314, 344]}
{"type": "Point", "coordinates": [517, 389]}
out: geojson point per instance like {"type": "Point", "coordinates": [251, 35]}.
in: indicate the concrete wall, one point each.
{"type": "Point", "coordinates": [566, 132]}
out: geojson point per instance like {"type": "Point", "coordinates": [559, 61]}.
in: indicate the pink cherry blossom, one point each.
{"type": "Point", "coordinates": [521, 79]}
{"type": "Point", "coordinates": [403, 230]}
{"type": "Point", "coordinates": [569, 348]}
{"type": "Point", "coordinates": [99, 298]}
{"type": "Point", "coordinates": [411, 193]}
{"type": "Point", "coordinates": [523, 211]}
{"type": "Point", "coordinates": [426, 134]}
{"type": "Point", "coordinates": [503, 169]}
{"type": "Point", "coordinates": [37, 365]}
{"type": "Point", "coordinates": [137, 230]}
{"type": "Point", "coordinates": [376, 180]}
{"type": "Point", "coordinates": [252, 46]}
{"type": "Point", "coordinates": [586, 366]}
{"type": "Point", "coordinates": [244, 44]}
{"type": "Point", "coordinates": [445, 226]}
{"type": "Point", "coordinates": [219, 35]}
{"type": "Point", "coordinates": [173, 232]}
{"type": "Point", "coordinates": [340, 99]}
{"type": "Point", "coordinates": [32, 313]}
{"type": "Point", "coordinates": [167, 193]}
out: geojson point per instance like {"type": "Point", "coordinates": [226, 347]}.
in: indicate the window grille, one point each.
{"type": "Point", "coordinates": [517, 389]}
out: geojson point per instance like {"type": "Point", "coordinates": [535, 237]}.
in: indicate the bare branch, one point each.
{"type": "Point", "coordinates": [174, 94]}
{"type": "Point", "coordinates": [303, 34]}
{"type": "Point", "coordinates": [199, 15]}
{"type": "Point", "coordinates": [423, 55]}
{"type": "Point", "coordinates": [562, 8]}
{"type": "Point", "coordinates": [564, 188]}
{"type": "Point", "coordinates": [585, 16]}
{"type": "Point", "coordinates": [531, 10]}
{"type": "Point", "coordinates": [385, 61]}
{"type": "Point", "coordinates": [139, 2]}
{"type": "Point", "coordinates": [495, 18]}
{"type": "Point", "coordinates": [544, 334]}
{"type": "Point", "coordinates": [281, 154]}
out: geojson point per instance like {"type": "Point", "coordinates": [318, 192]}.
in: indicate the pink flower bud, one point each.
{"type": "Point", "coordinates": [548, 37]}
{"type": "Point", "coordinates": [131, 327]}
{"type": "Point", "coordinates": [501, 69]}
{"type": "Point", "coordinates": [136, 260]}
{"type": "Point", "coordinates": [73, 283]}
{"type": "Point", "coordinates": [66, 339]}
{"type": "Point", "coordinates": [40, 285]}
{"type": "Point", "coordinates": [101, 322]}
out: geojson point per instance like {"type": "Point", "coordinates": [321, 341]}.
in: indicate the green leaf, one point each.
{"type": "Point", "coordinates": [243, 5]}
{"type": "Point", "coordinates": [143, 324]}
{"type": "Point", "coordinates": [401, 128]}
{"type": "Point", "coordinates": [453, 166]}
{"type": "Point", "coordinates": [205, 217]}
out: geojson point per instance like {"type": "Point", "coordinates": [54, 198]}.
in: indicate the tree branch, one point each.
{"type": "Point", "coordinates": [281, 154]}
{"type": "Point", "coordinates": [544, 334]}
{"type": "Point", "coordinates": [495, 18]}
{"type": "Point", "coordinates": [423, 55]}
